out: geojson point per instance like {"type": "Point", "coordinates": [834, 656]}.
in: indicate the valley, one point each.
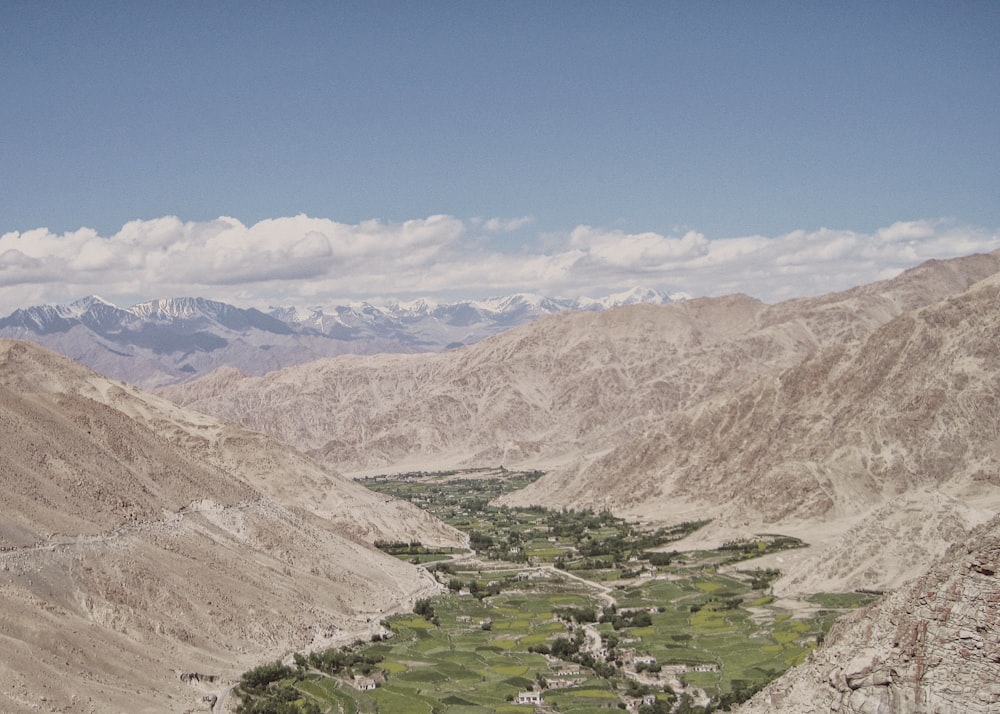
{"type": "Point", "coordinates": [582, 610]}
{"type": "Point", "coordinates": [701, 487]}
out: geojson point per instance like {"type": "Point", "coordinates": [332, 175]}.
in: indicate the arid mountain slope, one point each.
{"type": "Point", "coordinates": [527, 393]}
{"type": "Point", "coordinates": [914, 404]}
{"type": "Point", "coordinates": [566, 386]}
{"type": "Point", "coordinates": [139, 542]}
{"type": "Point", "coordinates": [931, 646]}
{"type": "Point", "coordinates": [143, 430]}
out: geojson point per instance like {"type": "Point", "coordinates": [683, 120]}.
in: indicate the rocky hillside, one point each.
{"type": "Point", "coordinates": [913, 404]}
{"type": "Point", "coordinates": [569, 386]}
{"type": "Point", "coordinates": [140, 542]}
{"type": "Point", "coordinates": [931, 646]}
{"type": "Point", "coordinates": [531, 393]}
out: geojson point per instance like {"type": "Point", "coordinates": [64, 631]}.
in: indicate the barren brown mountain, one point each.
{"type": "Point", "coordinates": [564, 387]}
{"type": "Point", "coordinates": [141, 542]}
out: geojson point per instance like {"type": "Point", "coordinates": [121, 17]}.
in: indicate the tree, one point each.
{"type": "Point", "coordinates": [257, 680]}
{"type": "Point", "coordinates": [424, 608]}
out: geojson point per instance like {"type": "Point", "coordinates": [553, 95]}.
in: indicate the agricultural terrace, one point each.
{"type": "Point", "coordinates": [568, 611]}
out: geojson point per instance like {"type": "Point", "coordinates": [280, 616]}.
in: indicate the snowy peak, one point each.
{"type": "Point", "coordinates": [81, 306]}
{"type": "Point", "coordinates": [293, 315]}
{"type": "Point", "coordinates": [635, 296]}
{"type": "Point", "coordinates": [174, 339]}
{"type": "Point", "coordinates": [168, 308]}
{"type": "Point", "coordinates": [207, 313]}
{"type": "Point", "coordinates": [507, 310]}
{"type": "Point", "coordinates": [420, 306]}
{"type": "Point", "coordinates": [140, 324]}
{"type": "Point", "coordinates": [40, 319]}
{"type": "Point", "coordinates": [194, 312]}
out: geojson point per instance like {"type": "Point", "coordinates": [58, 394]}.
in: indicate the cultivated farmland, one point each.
{"type": "Point", "coordinates": [565, 611]}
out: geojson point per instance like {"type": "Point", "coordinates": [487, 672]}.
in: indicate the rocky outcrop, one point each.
{"type": "Point", "coordinates": [932, 646]}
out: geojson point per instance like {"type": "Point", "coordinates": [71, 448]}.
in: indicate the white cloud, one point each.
{"type": "Point", "coordinates": [302, 260]}
{"type": "Point", "coordinates": [501, 225]}
{"type": "Point", "coordinates": [642, 252]}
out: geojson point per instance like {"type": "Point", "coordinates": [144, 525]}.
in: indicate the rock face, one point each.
{"type": "Point", "coordinates": [931, 647]}
{"type": "Point", "coordinates": [140, 541]}
{"type": "Point", "coordinates": [884, 446]}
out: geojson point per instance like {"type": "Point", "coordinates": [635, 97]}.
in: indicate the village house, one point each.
{"type": "Point", "coordinates": [528, 698]}
{"type": "Point", "coordinates": [633, 705]}
{"type": "Point", "coordinates": [366, 684]}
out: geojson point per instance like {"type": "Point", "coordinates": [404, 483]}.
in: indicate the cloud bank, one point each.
{"type": "Point", "coordinates": [302, 260]}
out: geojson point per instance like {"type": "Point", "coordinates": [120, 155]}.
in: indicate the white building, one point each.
{"type": "Point", "coordinates": [528, 698]}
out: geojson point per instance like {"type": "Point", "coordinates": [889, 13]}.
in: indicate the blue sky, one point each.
{"type": "Point", "coordinates": [526, 124]}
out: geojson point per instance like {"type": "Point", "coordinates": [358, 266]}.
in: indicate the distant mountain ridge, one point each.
{"type": "Point", "coordinates": [170, 340]}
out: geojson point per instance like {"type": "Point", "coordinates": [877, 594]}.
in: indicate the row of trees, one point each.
{"type": "Point", "coordinates": [270, 689]}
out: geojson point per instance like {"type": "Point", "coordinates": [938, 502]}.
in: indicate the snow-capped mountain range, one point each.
{"type": "Point", "coordinates": [174, 339]}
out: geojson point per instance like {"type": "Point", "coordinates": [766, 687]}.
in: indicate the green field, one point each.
{"type": "Point", "coordinates": [510, 624]}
